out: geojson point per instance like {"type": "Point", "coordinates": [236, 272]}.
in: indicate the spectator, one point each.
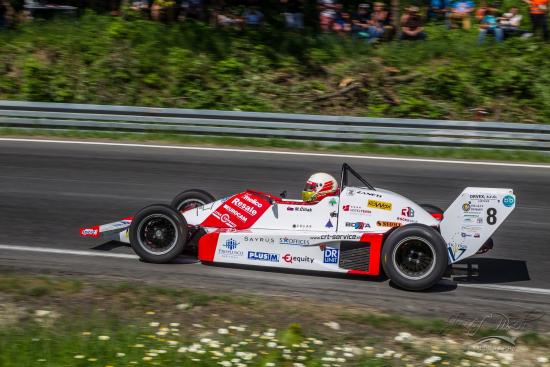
{"type": "Point", "coordinates": [253, 17]}
{"type": "Point", "coordinates": [481, 11]}
{"type": "Point", "coordinates": [538, 10]}
{"type": "Point", "coordinates": [361, 21]}
{"type": "Point", "coordinates": [226, 18]}
{"type": "Point", "coordinates": [489, 25]}
{"type": "Point", "coordinates": [342, 22]}
{"type": "Point", "coordinates": [379, 20]}
{"type": "Point", "coordinates": [460, 12]}
{"type": "Point", "coordinates": [412, 27]}
{"type": "Point", "coordinates": [194, 9]}
{"type": "Point", "coordinates": [293, 12]}
{"type": "Point", "coordinates": [438, 9]}
{"type": "Point", "coordinates": [327, 14]}
{"type": "Point", "coordinates": [510, 22]}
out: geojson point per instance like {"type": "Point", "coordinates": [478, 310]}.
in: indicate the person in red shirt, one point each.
{"type": "Point", "coordinates": [538, 9]}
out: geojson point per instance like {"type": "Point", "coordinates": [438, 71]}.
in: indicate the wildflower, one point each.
{"type": "Point", "coordinates": [270, 364]}
{"type": "Point", "coordinates": [147, 358]}
{"type": "Point", "coordinates": [298, 364]}
{"type": "Point", "coordinates": [403, 337]}
{"type": "Point", "coordinates": [41, 360]}
{"type": "Point", "coordinates": [92, 359]}
{"type": "Point", "coordinates": [198, 326]}
{"type": "Point", "coordinates": [223, 331]}
{"type": "Point", "coordinates": [333, 325]}
{"type": "Point", "coordinates": [161, 333]}
{"type": "Point", "coordinates": [225, 363]}
{"type": "Point", "coordinates": [542, 359]}
{"type": "Point", "coordinates": [432, 360]}
{"type": "Point", "coordinates": [103, 337]}
{"type": "Point", "coordinates": [86, 333]}
{"type": "Point", "coordinates": [228, 350]}
{"type": "Point", "coordinates": [79, 356]}
{"type": "Point", "coordinates": [139, 345]}
{"type": "Point", "coordinates": [172, 342]}
{"type": "Point", "coordinates": [150, 312]}
{"type": "Point", "coordinates": [119, 354]}
{"type": "Point", "coordinates": [42, 313]}
{"type": "Point", "coordinates": [154, 324]}
{"type": "Point", "coordinates": [271, 345]}
{"type": "Point", "coordinates": [174, 324]}
{"type": "Point", "coordinates": [182, 350]}
{"type": "Point", "coordinates": [471, 353]}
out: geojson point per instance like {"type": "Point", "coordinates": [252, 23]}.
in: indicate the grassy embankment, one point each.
{"type": "Point", "coordinates": [107, 60]}
{"type": "Point", "coordinates": [49, 321]}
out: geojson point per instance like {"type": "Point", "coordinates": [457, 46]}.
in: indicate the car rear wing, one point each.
{"type": "Point", "coordinates": [116, 230]}
{"type": "Point", "coordinates": [473, 218]}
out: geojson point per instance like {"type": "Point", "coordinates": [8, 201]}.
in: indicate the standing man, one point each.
{"type": "Point", "coordinates": [538, 9]}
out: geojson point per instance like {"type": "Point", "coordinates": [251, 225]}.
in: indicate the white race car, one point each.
{"type": "Point", "coordinates": [359, 230]}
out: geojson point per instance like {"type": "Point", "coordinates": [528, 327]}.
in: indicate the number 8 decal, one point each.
{"type": "Point", "coordinates": [491, 216]}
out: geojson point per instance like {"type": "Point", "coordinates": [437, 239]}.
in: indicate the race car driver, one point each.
{"type": "Point", "coordinates": [319, 186]}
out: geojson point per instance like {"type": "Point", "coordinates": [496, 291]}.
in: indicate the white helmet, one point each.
{"type": "Point", "coordinates": [318, 186]}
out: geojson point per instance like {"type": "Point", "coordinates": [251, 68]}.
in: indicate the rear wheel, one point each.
{"type": "Point", "coordinates": [414, 257]}
{"type": "Point", "coordinates": [158, 234]}
{"type": "Point", "coordinates": [190, 199]}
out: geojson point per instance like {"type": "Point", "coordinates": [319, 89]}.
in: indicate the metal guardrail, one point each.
{"type": "Point", "coordinates": [321, 129]}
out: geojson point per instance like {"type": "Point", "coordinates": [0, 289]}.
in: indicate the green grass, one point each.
{"type": "Point", "coordinates": [79, 323]}
{"type": "Point", "coordinates": [365, 148]}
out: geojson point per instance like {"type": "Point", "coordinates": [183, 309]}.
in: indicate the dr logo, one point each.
{"type": "Point", "coordinates": [331, 255]}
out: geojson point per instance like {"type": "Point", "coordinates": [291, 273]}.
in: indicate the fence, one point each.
{"type": "Point", "coordinates": [321, 129]}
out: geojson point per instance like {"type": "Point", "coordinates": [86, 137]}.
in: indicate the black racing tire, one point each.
{"type": "Point", "coordinates": [194, 197]}
{"type": "Point", "coordinates": [158, 233]}
{"type": "Point", "coordinates": [432, 209]}
{"type": "Point", "coordinates": [414, 257]}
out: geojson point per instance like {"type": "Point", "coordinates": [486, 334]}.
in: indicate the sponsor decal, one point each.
{"type": "Point", "coordinates": [231, 244]}
{"type": "Point", "coordinates": [407, 212]}
{"type": "Point", "coordinates": [333, 202]}
{"type": "Point", "coordinates": [351, 192]}
{"type": "Point", "coordinates": [330, 255]}
{"type": "Point", "coordinates": [299, 209]}
{"type": "Point", "coordinates": [464, 235]}
{"type": "Point", "coordinates": [508, 201]}
{"type": "Point", "coordinates": [406, 220]}
{"type": "Point", "coordinates": [298, 259]}
{"type": "Point", "coordinates": [301, 226]}
{"type": "Point", "coordinates": [383, 223]}
{"type": "Point", "coordinates": [90, 232]}
{"type": "Point", "coordinates": [229, 249]}
{"type": "Point", "coordinates": [358, 225]}
{"type": "Point", "coordinates": [483, 198]}
{"type": "Point", "coordinates": [477, 235]}
{"type": "Point", "coordinates": [336, 237]}
{"type": "Point", "coordinates": [258, 239]}
{"type": "Point", "coordinates": [456, 251]}
{"type": "Point", "coordinates": [253, 201]}
{"type": "Point", "coordinates": [466, 207]}
{"type": "Point", "coordinates": [239, 211]}
{"type": "Point", "coordinates": [263, 256]}
{"type": "Point", "coordinates": [293, 241]}
{"type": "Point", "coordinates": [333, 214]}
{"type": "Point", "coordinates": [244, 206]}
{"type": "Point", "coordinates": [356, 209]}
{"type": "Point", "coordinates": [329, 224]}
{"type": "Point", "coordinates": [376, 204]}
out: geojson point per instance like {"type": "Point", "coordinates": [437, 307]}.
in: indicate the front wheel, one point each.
{"type": "Point", "coordinates": [190, 199]}
{"type": "Point", "coordinates": [414, 257]}
{"type": "Point", "coordinates": [158, 234]}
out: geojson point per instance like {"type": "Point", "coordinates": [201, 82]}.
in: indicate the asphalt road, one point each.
{"type": "Point", "coordinates": [49, 190]}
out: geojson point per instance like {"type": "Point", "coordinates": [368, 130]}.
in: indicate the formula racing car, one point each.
{"type": "Point", "coordinates": [348, 229]}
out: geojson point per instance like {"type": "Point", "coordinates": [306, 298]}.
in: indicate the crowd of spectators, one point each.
{"type": "Point", "coordinates": [371, 22]}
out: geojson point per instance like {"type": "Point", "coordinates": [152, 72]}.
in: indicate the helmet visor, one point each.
{"type": "Point", "coordinates": [308, 195]}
